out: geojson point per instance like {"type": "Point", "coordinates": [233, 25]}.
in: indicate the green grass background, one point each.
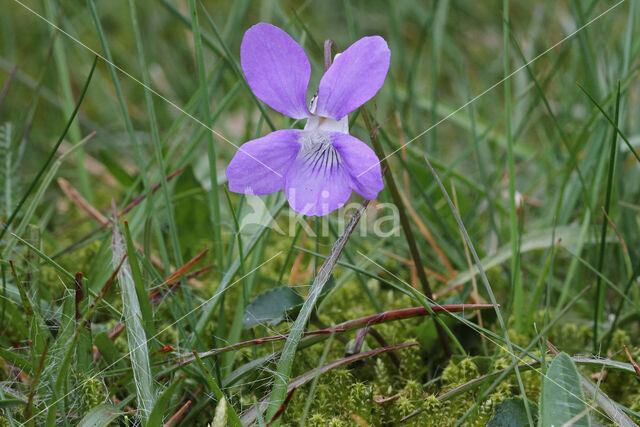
{"type": "Point", "coordinates": [528, 118]}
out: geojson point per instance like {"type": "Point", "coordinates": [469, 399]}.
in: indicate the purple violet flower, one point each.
{"type": "Point", "coordinates": [319, 166]}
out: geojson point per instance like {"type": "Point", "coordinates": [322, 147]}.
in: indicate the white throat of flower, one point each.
{"type": "Point", "coordinates": [324, 124]}
{"type": "Point", "coordinates": [317, 150]}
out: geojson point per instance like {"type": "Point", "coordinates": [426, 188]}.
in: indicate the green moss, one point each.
{"type": "Point", "coordinates": [92, 394]}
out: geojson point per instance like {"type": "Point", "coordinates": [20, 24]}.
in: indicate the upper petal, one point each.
{"type": "Point", "coordinates": [361, 163]}
{"type": "Point", "coordinates": [353, 78]}
{"type": "Point", "coordinates": [260, 166]}
{"type": "Point", "coordinates": [317, 183]}
{"type": "Point", "coordinates": [276, 69]}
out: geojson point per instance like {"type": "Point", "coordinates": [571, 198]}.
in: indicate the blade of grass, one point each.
{"type": "Point", "coordinates": [35, 201]}
{"type": "Point", "coordinates": [485, 281]}
{"type": "Point", "coordinates": [136, 336]}
{"type": "Point", "coordinates": [517, 291]}
{"type": "Point", "coordinates": [598, 314]}
{"type": "Point", "coordinates": [404, 222]}
{"type": "Point", "coordinates": [283, 370]}
{"type": "Point", "coordinates": [234, 420]}
{"type": "Point", "coordinates": [599, 396]}
{"type": "Point", "coordinates": [155, 137]}
{"type": "Point", "coordinates": [84, 349]}
{"type": "Point", "coordinates": [52, 153]}
{"type": "Point", "coordinates": [613, 122]}
{"type": "Point", "coordinates": [235, 331]}
{"type": "Point", "coordinates": [440, 10]}
{"type": "Point", "coordinates": [206, 117]}
{"type": "Point", "coordinates": [62, 67]}
{"type": "Point", "coordinates": [162, 404]}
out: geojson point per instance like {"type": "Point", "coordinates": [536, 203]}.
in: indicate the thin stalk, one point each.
{"type": "Point", "coordinates": [516, 280]}
{"type": "Point", "coordinates": [229, 58]}
{"type": "Point", "coordinates": [155, 136]}
{"type": "Point", "coordinates": [314, 383]}
{"type": "Point", "coordinates": [121, 101]}
{"type": "Point", "coordinates": [404, 222]}
{"type": "Point", "coordinates": [601, 290]}
{"type": "Point", "coordinates": [283, 371]}
{"type": "Point", "coordinates": [52, 153]}
{"type": "Point", "coordinates": [206, 117]}
{"type": "Point", "coordinates": [62, 69]}
{"type": "Point", "coordinates": [142, 166]}
{"type": "Point", "coordinates": [485, 281]}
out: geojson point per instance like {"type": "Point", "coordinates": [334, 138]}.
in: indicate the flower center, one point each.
{"type": "Point", "coordinates": [318, 153]}
{"type": "Point", "coordinates": [327, 124]}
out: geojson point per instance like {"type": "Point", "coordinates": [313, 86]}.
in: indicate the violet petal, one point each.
{"type": "Point", "coordinates": [317, 184]}
{"type": "Point", "coordinates": [260, 166]}
{"type": "Point", "coordinates": [353, 78]}
{"type": "Point", "coordinates": [276, 69]}
{"type": "Point", "coordinates": [361, 163]}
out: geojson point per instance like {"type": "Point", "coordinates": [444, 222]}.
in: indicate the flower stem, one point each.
{"type": "Point", "coordinates": [404, 222]}
{"type": "Point", "coordinates": [327, 52]}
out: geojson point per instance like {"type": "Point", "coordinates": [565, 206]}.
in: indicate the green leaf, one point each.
{"type": "Point", "coordinates": [16, 359]}
{"type": "Point", "coordinates": [101, 415]}
{"type": "Point", "coordinates": [162, 404]}
{"type": "Point", "coordinates": [271, 306]}
{"type": "Point", "coordinates": [108, 350]}
{"type": "Point", "coordinates": [220, 418]}
{"type": "Point", "coordinates": [136, 335]}
{"type": "Point", "coordinates": [511, 412]}
{"type": "Point", "coordinates": [283, 371]}
{"type": "Point", "coordinates": [562, 400]}
{"type": "Point", "coordinates": [11, 403]}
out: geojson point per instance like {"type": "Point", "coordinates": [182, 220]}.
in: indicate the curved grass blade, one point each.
{"type": "Point", "coordinates": [250, 416]}
{"type": "Point", "coordinates": [162, 404]}
{"type": "Point", "coordinates": [100, 416]}
{"type": "Point", "coordinates": [231, 415]}
{"type": "Point", "coordinates": [136, 336]}
{"type": "Point", "coordinates": [283, 372]}
{"type": "Point", "coordinates": [52, 153]}
{"type": "Point", "coordinates": [485, 281]}
{"type": "Point", "coordinates": [406, 226]}
{"type": "Point", "coordinates": [598, 314]}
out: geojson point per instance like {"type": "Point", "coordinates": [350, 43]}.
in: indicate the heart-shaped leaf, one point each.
{"type": "Point", "coordinates": [271, 306]}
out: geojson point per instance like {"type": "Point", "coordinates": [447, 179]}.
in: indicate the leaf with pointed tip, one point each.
{"type": "Point", "coordinates": [101, 415]}
{"type": "Point", "coordinates": [562, 400]}
{"type": "Point", "coordinates": [162, 404]}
